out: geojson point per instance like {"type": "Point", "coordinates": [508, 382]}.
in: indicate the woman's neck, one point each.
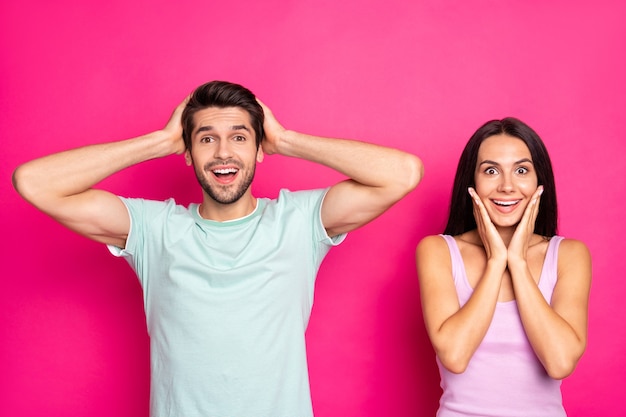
{"type": "Point", "coordinates": [506, 233]}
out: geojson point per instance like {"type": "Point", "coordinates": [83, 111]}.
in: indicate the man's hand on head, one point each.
{"type": "Point", "coordinates": [274, 131]}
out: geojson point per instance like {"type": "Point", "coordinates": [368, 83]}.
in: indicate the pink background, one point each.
{"type": "Point", "coordinates": [417, 75]}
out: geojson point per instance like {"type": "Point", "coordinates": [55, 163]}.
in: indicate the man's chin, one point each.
{"type": "Point", "coordinates": [224, 198]}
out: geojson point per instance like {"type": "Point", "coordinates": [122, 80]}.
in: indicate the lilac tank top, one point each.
{"type": "Point", "coordinates": [504, 377]}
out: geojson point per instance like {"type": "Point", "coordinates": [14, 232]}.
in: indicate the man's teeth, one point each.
{"type": "Point", "coordinates": [225, 171]}
{"type": "Point", "coordinates": [506, 203]}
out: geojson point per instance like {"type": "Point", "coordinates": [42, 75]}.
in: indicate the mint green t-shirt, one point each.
{"type": "Point", "coordinates": [227, 304]}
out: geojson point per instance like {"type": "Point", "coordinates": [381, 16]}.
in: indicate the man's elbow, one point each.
{"type": "Point", "coordinates": [413, 173]}
{"type": "Point", "coordinates": [21, 183]}
{"type": "Point", "coordinates": [30, 187]}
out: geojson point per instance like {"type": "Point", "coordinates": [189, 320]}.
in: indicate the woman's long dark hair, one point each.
{"type": "Point", "coordinates": [461, 218]}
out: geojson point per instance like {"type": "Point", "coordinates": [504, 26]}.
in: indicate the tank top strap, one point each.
{"type": "Point", "coordinates": [463, 288]}
{"type": "Point", "coordinates": [548, 277]}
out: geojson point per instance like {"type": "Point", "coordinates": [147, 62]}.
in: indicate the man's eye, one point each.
{"type": "Point", "coordinates": [239, 138]}
{"type": "Point", "coordinates": [207, 139]}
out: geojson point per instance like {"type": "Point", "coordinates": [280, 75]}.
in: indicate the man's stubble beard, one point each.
{"type": "Point", "coordinates": [225, 196]}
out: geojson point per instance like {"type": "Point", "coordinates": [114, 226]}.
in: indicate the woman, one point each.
{"type": "Point", "coordinates": [504, 298]}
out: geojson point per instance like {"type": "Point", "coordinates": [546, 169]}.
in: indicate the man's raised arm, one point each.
{"type": "Point", "coordinates": [379, 176]}
{"type": "Point", "coordinates": [60, 184]}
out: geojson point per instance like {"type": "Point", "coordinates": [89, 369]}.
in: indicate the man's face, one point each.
{"type": "Point", "coordinates": [223, 152]}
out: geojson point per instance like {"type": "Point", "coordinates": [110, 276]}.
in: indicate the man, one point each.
{"type": "Point", "coordinates": [228, 284]}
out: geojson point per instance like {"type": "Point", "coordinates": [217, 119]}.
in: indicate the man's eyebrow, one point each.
{"type": "Point", "coordinates": [240, 127]}
{"type": "Point", "coordinates": [209, 128]}
{"type": "Point", "coordinates": [490, 162]}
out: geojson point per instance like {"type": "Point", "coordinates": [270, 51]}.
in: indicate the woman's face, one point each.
{"type": "Point", "coordinates": [505, 178]}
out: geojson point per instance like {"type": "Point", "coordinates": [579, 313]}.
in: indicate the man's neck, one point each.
{"type": "Point", "coordinates": [212, 210]}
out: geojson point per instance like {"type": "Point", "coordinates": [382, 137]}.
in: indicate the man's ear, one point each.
{"type": "Point", "coordinates": [188, 158]}
{"type": "Point", "coordinates": [260, 154]}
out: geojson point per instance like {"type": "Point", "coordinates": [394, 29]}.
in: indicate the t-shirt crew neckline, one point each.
{"type": "Point", "coordinates": [195, 209]}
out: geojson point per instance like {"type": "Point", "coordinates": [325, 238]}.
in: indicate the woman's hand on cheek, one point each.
{"type": "Point", "coordinates": [494, 246]}
{"type": "Point", "coordinates": [518, 248]}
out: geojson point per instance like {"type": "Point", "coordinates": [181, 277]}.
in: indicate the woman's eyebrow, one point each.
{"type": "Point", "coordinates": [490, 162]}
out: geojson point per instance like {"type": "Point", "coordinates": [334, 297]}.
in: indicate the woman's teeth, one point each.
{"type": "Point", "coordinates": [506, 203]}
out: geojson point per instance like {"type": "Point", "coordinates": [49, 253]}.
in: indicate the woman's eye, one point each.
{"type": "Point", "coordinates": [491, 171]}
{"type": "Point", "coordinates": [521, 170]}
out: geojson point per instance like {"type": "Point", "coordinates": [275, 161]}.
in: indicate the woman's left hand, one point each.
{"type": "Point", "coordinates": [518, 247]}
{"type": "Point", "coordinates": [492, 241]}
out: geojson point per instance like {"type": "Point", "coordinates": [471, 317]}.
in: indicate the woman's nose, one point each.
{"type": "Point", "coordinates": [506, 183]}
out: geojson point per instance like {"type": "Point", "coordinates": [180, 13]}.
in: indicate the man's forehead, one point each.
{"type": "Point", "coordinates": [223, 118]}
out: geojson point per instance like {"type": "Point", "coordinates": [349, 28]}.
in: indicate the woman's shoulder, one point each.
{"type": "Point", "coordinates": [432, 242]}
{"type": "Point", "coordinates": [438, 242]}
{"type": "Point", "coordinates": [574, 265]}
{"type": "Point", "coordinates": [432, 255]}
{"type": "Point", "coordinates": [431, 247]}
{"type": "Point", "coordinates": [573, 249]}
